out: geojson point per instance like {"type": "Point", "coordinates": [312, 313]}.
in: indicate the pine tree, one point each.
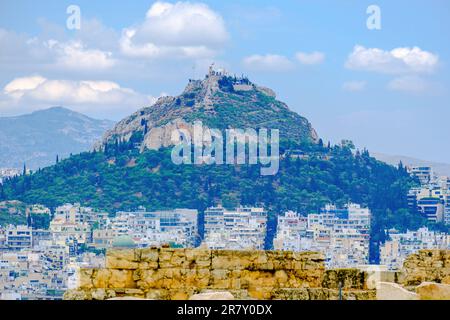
{"type": "Point", "coordinates": [2, 192]}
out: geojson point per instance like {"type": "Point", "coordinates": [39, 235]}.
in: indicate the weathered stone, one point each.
{"type": "Point", "coordinates": [76, 294]}
{"type": "Point", "coordinates": [99, 294]}
{"type": "Point", "coordinates": [225, 295]}
{"type": "Point", "coordinates": [121, 279]}
{"type": "Point", "coordinates": [393, 291]}
{"type": "Point", "coordinates": [100, 278]}
{"type": "Point", "coordinates": [433, 291]}
{"type": "Point", "coordinates": [127, 298]}
{"type": "Point", "coordinates": [427, 266]}
{"type": "Point", "coordinates": [168, 273]}
{"type": "Point", "coordinates": [149, 255]}
{"type": "Point", "coordinates": [346, 278]}
{"type": "Point", "coordinates": [85, 278]}
{"type": "Point", "coordinates": [290, 294]}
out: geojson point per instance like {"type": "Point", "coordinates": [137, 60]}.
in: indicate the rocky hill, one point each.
{"type": "Point", "coordinates": [220, 101]}
{"type": "Point", "coordinates": [36, 139]}
{"type": "Point", "coordinates": [132, 165]}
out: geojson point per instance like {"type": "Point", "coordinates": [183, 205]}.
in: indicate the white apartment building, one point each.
{"type": "Point", "coordinates": [242, 228]}
{"type": "Point", "coordinates": [343, 235]}
{"type": "Point", "coordinates": [394, 251]}
{"type": "Point", "coordinates": [75, 213]}
{"type": "Point", "coordinates": [290, 229]}
{"type": "Point", "coordinates": [425, 174]}
{"type": "Point", "coordinates": [430, 201]}
{"type": "Point", "coordinates": [178, 227]}
{"type": "Point", "coordinates": [447, 209]}
{"type": "Point", "coordinates": [19, 237]}
{"type": "Point", "coordinates": [64, 232]}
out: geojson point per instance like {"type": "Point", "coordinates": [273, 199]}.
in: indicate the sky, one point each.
{"type": "Point", "coordinates": [385, 88]}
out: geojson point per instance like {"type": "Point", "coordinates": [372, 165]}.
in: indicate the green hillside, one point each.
{"type": "Point", "coordinates": [122, 179]}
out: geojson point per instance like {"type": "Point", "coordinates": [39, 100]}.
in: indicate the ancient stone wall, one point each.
{"type": "Point", "coordinates": [427, 266]}
{"type": "Point", "coordinates": [164, 273]}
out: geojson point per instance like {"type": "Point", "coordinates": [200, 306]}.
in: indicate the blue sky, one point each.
{"type": "Point", "coordinates": [387, 90]}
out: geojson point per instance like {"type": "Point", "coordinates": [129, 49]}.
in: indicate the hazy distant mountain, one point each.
{"type": "Point", "coordinates": [440, 168]}
{"type": "Point", "coordinates": [36, 138]}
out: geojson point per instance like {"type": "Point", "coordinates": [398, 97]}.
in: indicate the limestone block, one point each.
{"type": "Point", "coordinates": [172, 258]}
{"type": "Point", "coordinates": [198, 258]}
{"type": "Point", "coordinates": [85, 278]}
{"type": "Point", "coordinates": [76, 294]}
{"type": "Point", "coordinates": [121, 279]}
{"type": "Point", "coordinates": [433, 291]}
{"type": "Point", "coordinates": [128, 298]}
{"type": "Point", "coordinates": [103, 294]}
{"type": "Point", "coordinates": [196, 278]}
{"type": "Point", "coordinates": [347, 278]}
{"type": "Point", "coordinates": [224, 295]}
{"type": "Point", "coordinates": [149, 255]}
{"type": "Point", "coordinates": [100, 278]}
{"type": "Point", "coordinates": [260, 293]}
{"type": "Point", "coordinates": [220, 279]}
{"type": "Point", "coordinates": [180, 294]}
{"type": "Point", "coordinates": [290, 294]}
{"type": "Point", "coordinates": [121, 259]}
{"type": "Point", "coordinates": [226, 259]}
{"type": "Point", "coordinates": [119, 263]}
{"type": "Point", "coordinates": [393, 291]}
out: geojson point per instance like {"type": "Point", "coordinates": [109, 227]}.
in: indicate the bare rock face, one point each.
{"type": "Point", "coordinates": [162, 136]}
{"type": "Point", "coordinates": [220, 101]}
{"type": "Point", "coordinates": [224, 295]}
{"type": "Point", "coordinates": [433, 291]}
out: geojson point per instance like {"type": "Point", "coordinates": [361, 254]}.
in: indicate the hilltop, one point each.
{"type": "Point", "coordinates": [220, 101]}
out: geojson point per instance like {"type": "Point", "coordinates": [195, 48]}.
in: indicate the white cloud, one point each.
{"type": "Point", "coordinates": [74, 55]}
{"type": "Point", "coordinates": [354, 86]}
{"type": "Point", "coordinates": [92, 97]}
{"type": "Point", "coordinates": [182, 29]}
{"type": "Point", "coordinates": [411, 84]}
{"type": "Point", "coordinates": [397, 61]}
{"type": "Point", "coordinates": [21, 50]}
{"type": "Point", "coordinates": [268, 62]}
{"type": "Point", "coordinates": [310, 58]}
{"type": "Point", "coordinates": [18, 86]}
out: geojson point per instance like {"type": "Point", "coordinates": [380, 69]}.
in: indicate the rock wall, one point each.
{"type": "Point", "coordinates": [165, 273]}
{"type": "Point", "coordinates": [427, 266]}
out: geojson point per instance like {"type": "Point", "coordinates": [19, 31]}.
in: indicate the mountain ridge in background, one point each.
{"type": "Point", "coordinates": [36, 139]}
{"type": "Point", "coordinates": [439, 167]}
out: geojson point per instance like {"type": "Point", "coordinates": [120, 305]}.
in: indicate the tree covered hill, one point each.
{"type": "Point", "coordinates": [122, 178]}
{"type": "Point", "coordinates": [132, 165]}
